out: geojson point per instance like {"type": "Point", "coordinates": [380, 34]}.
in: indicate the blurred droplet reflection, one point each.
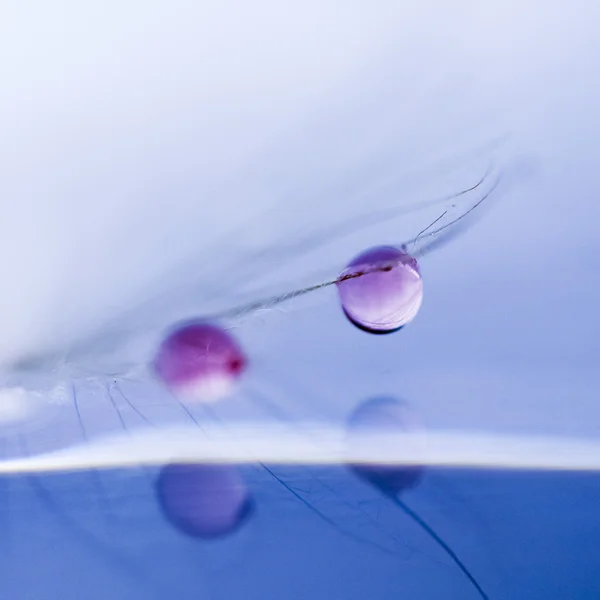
{"type": "Point", "coordinates": [388, 416]}
{"type": "Point", "coordinates": [203, 500]}
{"type": "Point", "coordinates": [383, 415]}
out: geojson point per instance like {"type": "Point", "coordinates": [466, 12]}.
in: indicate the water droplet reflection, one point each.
{"type": "Point", "coordinates": [387, 415]}
{"type": "Point", "coordinates": [384, 415]}
{"type": "Point", "coordinates": [204, 500]}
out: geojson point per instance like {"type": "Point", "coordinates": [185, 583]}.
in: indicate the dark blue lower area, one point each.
{"type": "Point", "coordinates": [313, 533]}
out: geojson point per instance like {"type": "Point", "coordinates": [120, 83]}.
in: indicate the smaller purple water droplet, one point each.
{"type": "Point", "coordinates": [202, 500]}
{"type": "Point", "coordinates": [381, 290]}
{"type": "Point", "coordinates": [200, 361]}
{"type": "Point", "coordinates": [388, 416]}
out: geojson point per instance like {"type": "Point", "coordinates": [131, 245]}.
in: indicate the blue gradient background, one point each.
{"type": "Point", "coordinates": [235, 129]}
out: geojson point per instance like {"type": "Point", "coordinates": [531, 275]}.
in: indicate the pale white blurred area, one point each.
{"type": "Point", "coordinates": [135, 133]}
{"type": "Point", "coordinates": [146, 145]}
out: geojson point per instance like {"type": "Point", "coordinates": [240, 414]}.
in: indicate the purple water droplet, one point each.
{"type": "Point", "coordinates": [202, 500]}
{"type": "Point", "coordinates": [388, 416]}
{"type": "Point", "coordinates": [200, 361]}
{"type": "Point", "coordinates": [381, 289]}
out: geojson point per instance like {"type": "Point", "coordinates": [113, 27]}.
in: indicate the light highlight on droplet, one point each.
{"type": "Point", "coordinates": [381, 289]}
